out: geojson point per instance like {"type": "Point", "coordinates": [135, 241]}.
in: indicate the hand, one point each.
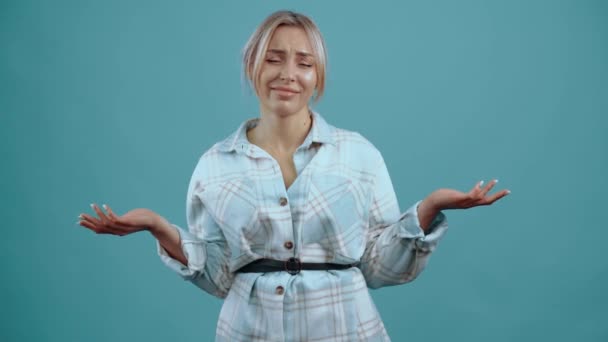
{"type": "Point", "coordinates": [133, 221]}
{"type": "Point", "coordinates": [478, 196]}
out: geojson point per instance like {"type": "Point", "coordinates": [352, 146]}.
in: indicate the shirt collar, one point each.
{"type": "Point", "coordinates": [320, 132]}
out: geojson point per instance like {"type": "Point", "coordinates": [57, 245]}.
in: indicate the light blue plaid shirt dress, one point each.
{"type": "Point", "coordinates": [341, 208]}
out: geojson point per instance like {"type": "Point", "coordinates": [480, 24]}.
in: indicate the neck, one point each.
{"type": "Point", "coordinates": [282, 134]}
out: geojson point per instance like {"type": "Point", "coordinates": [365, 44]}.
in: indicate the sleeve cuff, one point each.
{"type": "Point", "coordinates": [411, 229]}
{"type": "Point", "coordinates": [194, 250]}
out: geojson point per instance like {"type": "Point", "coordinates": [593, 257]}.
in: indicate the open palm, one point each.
{"type": "Point", "coordinates": [133, 221]}
{"type": "Point", "coordinates": [477, 196]}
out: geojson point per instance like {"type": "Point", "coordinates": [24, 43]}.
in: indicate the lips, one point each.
{"type": "Point", "coordinates": [285, 90]}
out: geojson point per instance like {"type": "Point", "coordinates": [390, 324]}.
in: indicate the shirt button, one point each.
{"type": "Point", "coordinates": [288, 245]}
{"type": "Point", "coordinates": [280, 290]}
{"type": "Point", "coordinates": [283, 201]}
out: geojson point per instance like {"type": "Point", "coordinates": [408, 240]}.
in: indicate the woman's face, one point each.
{"type": "Point", "coordinates": [288, 75]}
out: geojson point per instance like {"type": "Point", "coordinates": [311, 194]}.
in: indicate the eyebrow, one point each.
{"type": "Point", "coordinates": [299, 53]}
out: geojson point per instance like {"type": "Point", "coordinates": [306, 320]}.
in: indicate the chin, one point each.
{"type": "Point", "coordinates": [286, 109]}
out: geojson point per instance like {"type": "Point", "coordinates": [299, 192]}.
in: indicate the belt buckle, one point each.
{"type": "Point", "coordinates": [293, 266]}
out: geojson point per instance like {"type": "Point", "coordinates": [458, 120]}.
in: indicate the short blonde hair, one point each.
{"type": "Point", "coordinates": [255, 49]}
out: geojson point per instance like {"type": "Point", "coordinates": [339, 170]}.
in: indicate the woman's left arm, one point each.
{"type": "Point", "coordinates": [398, 245]}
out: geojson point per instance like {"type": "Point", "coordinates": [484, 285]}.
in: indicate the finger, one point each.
{"type": "Point", "coordinates": [489, 187]}
{"type": "Point", "coordinates": [476, 189]}
{"type": "Point", "coordinates": [102, 229]}
{"type": "Point", "coordinates": [117, 225]}
{"type": "Point", "coordinates": [497, 196]}
{"type": "Point", "coordinates": [114, 218]}
{"type": "Point", "coordinates": [108, 226]}
{"type": "Point", "coordinates": [90, 219]}
{"type": "Point", "coordinates": [100, 213]}
{"type": "Point", "coordinates": [93, 227]}
{"type": "Point", "coordinates": [99, 227]}
{"type": "Point", "coordinates": [111, 214]}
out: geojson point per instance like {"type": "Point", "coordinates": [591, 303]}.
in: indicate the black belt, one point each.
{"type": "Point", "coordinates": [291, 266]}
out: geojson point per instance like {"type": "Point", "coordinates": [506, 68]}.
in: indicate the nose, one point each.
{"type": "Point", "coordinates": [287, 72]}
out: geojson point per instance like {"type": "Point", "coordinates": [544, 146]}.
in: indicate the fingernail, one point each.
{"type": "Point", "coordinates": [78, 223]}
{"type": "Point", "coordinates": [105, 207]}
{"type": "Point", "coordinates": [80, 217]}
{"type": "Point", "coordinates": [92, 205]}
{"type": "Point", "coordinates": [481, 183]}
{"type": "Point", "coordinates": [508, 192]}
{"type": "Point", "coordinates": [495, 181]}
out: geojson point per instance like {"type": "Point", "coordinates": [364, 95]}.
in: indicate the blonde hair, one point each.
{"type": "Point", "coordinates": [255, 49]}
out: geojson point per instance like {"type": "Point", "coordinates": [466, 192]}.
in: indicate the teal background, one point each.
{"type": "Point", "coordinates": [114, 101]}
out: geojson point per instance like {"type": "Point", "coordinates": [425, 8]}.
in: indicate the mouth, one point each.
{"type": "Point", "coordinates": [284, 91]}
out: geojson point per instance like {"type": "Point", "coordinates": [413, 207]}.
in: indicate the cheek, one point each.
{"type": "Point", "coordinates": [265, 78]}
{"type": "Point", "coordinates": [309, 79]}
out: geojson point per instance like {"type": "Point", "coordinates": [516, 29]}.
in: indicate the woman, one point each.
{"type": "Point", "coordinates": [290, 219]}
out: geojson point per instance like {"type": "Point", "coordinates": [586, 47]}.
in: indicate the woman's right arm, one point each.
{"type": "Point", "coordinates": [199, 254]}
{"type": "Point", "coordinates": [169, 239]}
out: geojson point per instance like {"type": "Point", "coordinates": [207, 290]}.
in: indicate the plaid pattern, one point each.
{"type": "Point", "coordinates": [341, 209]}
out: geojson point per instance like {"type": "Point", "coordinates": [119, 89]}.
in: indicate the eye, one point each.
{"type": "Point", "coordinates": [306, 65]}
{"type": "Point", "coordinates": [274, 61]}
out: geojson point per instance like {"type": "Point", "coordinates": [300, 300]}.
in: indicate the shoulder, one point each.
{"type": "Point", "coordinates": [354, 144]}
{"type": "Point", "coordinates": [211, 163]}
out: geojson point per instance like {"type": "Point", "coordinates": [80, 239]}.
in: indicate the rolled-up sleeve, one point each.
{"type": "Point", "coordinates": [397, 249]}
{"type": "Point", "coordinates": [203, 245]}
{"type": "Point", "coordinates": [193, 248]}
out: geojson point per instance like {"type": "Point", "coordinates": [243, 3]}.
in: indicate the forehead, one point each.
{"type": "Point", "coordinates": [290, 39]}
